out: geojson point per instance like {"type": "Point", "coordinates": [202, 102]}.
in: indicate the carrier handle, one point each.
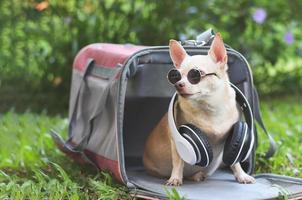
{"type": "Point", "coordinates": [201, 39]}
{"type": "Point", "coordinates": [100, 71]}
{"type": "Point", "coordinates": [205, 36]}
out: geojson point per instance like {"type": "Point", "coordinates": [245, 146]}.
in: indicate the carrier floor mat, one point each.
{"type": "Point", "coordinates": [222, 185]}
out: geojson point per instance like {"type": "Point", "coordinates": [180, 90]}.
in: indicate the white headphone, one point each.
{"type": "Point", "coordinates": [193, 146]}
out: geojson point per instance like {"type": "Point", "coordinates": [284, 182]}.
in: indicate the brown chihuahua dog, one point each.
{"type": "Point", "coordinates": [210, 105]}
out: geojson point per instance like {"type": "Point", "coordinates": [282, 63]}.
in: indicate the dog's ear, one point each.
{"type": "Point", "coordinates": [177, 53]}
{"type": "Point", "coordinates": [217, 51]}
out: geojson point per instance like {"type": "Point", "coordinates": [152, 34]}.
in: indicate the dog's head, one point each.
{"type": "Point", "coordinates": [199, 76]}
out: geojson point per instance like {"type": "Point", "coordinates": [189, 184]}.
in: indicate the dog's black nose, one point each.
{"type": "Point", "coordinates": [180, 84]}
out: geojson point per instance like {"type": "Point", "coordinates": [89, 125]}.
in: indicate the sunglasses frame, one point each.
{"type": "Point", "coordinates": [202, 75]}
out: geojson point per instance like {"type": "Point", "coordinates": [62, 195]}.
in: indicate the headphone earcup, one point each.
{"type": "Point", "coordinates": [236, 145]}
{"type": "Point", "coordinates": [199, 142]}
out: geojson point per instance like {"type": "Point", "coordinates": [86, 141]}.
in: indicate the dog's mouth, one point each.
{"type": "Point", "coordinates": [187, 95]}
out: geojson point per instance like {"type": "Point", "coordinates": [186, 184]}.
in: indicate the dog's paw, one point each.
{"type": "Point", "coordinates": [197, 177]}
{"type": "Point", "coordinates": [174, 181]}
{"type": "Point", "coordinates": [245, 178]}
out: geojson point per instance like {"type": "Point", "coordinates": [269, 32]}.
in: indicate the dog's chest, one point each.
{"type": "Point", "coordinates": [216, 127]}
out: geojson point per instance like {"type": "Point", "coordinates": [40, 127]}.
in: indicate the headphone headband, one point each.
{"type": "Point", "coordinates": [185, 150]}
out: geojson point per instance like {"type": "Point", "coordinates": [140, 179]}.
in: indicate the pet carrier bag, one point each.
{"type": "Point", "coordinates": [118, 95]}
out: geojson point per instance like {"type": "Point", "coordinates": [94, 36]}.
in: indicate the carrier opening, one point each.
{"type": "Point", "coordinates": [147, 99]}
{"type": "Point", "coordinates": [148, 94]}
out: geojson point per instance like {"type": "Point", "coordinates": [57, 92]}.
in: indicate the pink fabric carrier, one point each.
{"type": "Point", "coordinates": [118, 95]}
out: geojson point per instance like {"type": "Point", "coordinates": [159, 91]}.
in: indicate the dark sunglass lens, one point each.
{"type": "Point", "coordinates": [194, 76]}
{"type": "Point", "coordinates": [174, 76]}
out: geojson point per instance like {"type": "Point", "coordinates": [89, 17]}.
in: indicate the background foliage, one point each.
{"type": "Point", "coordinates": [39, 39]}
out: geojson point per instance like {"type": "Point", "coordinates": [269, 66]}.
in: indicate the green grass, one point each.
{"type": "Point", "coordinates": [283, 118]}
{"type": "Point", "coordinates": [31, 167]}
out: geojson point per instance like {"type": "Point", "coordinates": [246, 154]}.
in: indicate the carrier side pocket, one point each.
{"type": "Point", "coordinates": [90, 97]}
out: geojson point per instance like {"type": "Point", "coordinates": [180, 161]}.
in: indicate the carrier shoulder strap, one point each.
{"type": "Point", "coordinates": [273, 146]}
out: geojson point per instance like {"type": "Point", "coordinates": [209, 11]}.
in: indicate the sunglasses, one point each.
{"type": "Point", "coordinates": [194, 76]}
